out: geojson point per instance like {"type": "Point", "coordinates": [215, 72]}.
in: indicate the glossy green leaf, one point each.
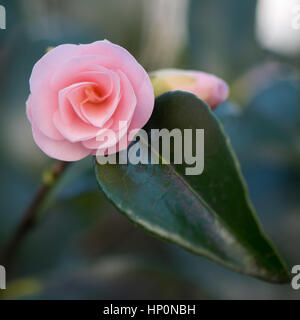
{"type": "Point", "coordinates": [208, 214]}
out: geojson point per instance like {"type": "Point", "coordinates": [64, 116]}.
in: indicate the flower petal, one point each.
{"type": "Point", "coordinates": [98, 113]}
{"type": "Point", "coordinates": [43, 105]}
{"type": "Point", "coordinates": [127, 103]}
{"type": "Point", "coordinates": [61, 150]}
{"type": "Point", "coordinates": [145, 104]}
{"type": "Point", "coordinates": [71, 71]}
{"type": "Point", "coordinates": [121, 118]}
{"type": "Point", "coordinates": [51, 61]}
{"type": "Point", "coordinates": [73, 94]}
{"type": "Point", "coordinates": [75, 130]}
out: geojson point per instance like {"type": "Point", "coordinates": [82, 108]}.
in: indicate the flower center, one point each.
{"type": "Point", "coordinates": [92, 95]}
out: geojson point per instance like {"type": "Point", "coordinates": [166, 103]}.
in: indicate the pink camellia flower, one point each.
{"type": "Point", "coordinates": [205, 86]}
{"type": "Point", "coordinates": [78, 92]}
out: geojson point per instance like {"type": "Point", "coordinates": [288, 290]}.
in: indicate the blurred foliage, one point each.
{"type": "Point", "coordinates": [83, 248]}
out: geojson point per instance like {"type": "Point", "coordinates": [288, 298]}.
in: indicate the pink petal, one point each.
{"type": "Point", "coordinates": [61, 150]}
{"type": "Point", "coordinates": [44, 101]}
{"type": "Point", "coordinates": [116, 58]}
{"type": "Point", "coordinates": [73, 94]}
{"type": "Point", "coordinates": [50, 62]}
{"type": "Point", "coordinates": [127, 104]}
{"type": "Point", "coordinates": [145, 104]}
{"type": "Point", "coordinates": [76, 130]}
{"type": "Point", "coordinates": [101, 141]}
{"type": "Point", "coordinates": [123, 113]}
{"type": "Point", "coordinates": [72, 70]}
{"type": "Point", "coordinates": [103, 79]}
{"type": "Point", "coordinates": [210, 88]}
{"type": "Point", "coordinates": [93, 143]}
{"type": "Point", "coordinates": [98, 113]}
{"type": "Point", "coordinates": [43, 105]}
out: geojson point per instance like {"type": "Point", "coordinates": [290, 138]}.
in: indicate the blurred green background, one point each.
{"type": "Point", "coordinates": [83, 248]}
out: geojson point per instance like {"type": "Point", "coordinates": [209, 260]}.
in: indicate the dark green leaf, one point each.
{"type": "Point", "coordinates": [209, 214]}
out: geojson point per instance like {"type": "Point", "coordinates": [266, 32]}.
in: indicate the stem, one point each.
{"type": "Point", "coordinates": [30, 216]}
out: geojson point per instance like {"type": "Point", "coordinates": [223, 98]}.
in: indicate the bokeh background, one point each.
{"type": "Point", "coordinates": [82, 247]}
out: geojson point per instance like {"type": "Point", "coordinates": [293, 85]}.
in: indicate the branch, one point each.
{"type": "Point", "coordinates": [31, 214]}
